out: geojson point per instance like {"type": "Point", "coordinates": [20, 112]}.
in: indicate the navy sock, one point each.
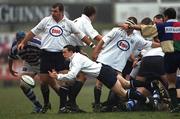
{"type": "Point", "coordinates": [45, 93]}
{"type": "Point", "coordinates": [173, 95]}
{"type": "Point", "coordinates": [29, 93]}
{"type": "Point", "coordinates": [75, 89]}
{"type": "Point", "coordinates": [97, 95]}
{"type": "Point", "coordinates": [63, 92]}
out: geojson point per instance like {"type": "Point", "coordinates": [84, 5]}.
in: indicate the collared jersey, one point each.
{"type": "Point", "coordinates": [170, 31]}
{"type": "Point", "coordinates": [168, 34]}
{"type": "Point", "coordinates": [79, 62]}
{"type": "Point", "coordinates": [30, 53]}
{"type": "Point", "coordinates": [84, 24]}
{"type": "Point", "coordinates": [118, 46]}
{"type": "Point", "coordinates": [54, 35]}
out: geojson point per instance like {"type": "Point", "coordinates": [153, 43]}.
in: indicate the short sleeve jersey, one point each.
{"type": "Point", "coordinates": [84, 24]}
{"type": "Point", "coordinates": [54, 35]}
{"type": "Point", "coordinates": [118, 46]}
{"type": "Point", "coordinates": [30, 53]}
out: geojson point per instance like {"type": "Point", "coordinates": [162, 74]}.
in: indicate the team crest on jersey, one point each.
{"type": "Point", "coordinates": [56, 31]}
{"type": "Point", "coordinates": [123, 45]}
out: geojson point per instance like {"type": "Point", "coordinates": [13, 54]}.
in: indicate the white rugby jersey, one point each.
{"type": "Point", "coordinates": [79, 62]}
{"type": "Point", "coordinates": [118, 46]}
{"type": "Point", "coordinates": [84, 24]}
{"type": "Point", "coordinates": [54, 35]}
{"type": "Point", "coordinates": [154, 52]}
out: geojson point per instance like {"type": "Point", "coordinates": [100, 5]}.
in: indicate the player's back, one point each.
{"type": "Point", "coordinates": [30, 53]}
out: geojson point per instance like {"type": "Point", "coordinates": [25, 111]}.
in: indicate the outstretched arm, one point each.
{"type": "Point", "coordinates": [97, 50]}
{"type": "Point", "coordinates": [127, 26]}
{"type": "Point", "coordinates": [28, 37]}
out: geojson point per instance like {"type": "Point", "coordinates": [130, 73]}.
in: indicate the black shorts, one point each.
{"type": "Point", "coordinates": [128, 68]}
{"type": "Point", "coordinates": [152, 66]}
{"type": "Point", "coordinates": [108, 76]}
{"type": "Point", "coordinates": [51, 60]}
{"type": "Point", "coordinates": [172, 62]}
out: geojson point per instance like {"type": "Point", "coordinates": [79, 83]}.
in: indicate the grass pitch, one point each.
{"type": "Point", "coordinates": [14, 105]}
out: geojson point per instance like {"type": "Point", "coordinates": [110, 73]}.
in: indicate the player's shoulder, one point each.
{"type": "Point", "coordinates": [35, 42]}
{"type": "Point", "coordinates": [138, 36]}
{"type": "Point", "coordinates": [116, 30]}
{"type": "Point", "coordinates": [46, 19]}
{"type": "Point", "coordinates": [68, 22]}
{"type": "Point", "coordinates": [65, 19]}
{"type": "Point", "coordinates": [79, 56]}
{"type": "Point", "coordinates": [77, 19]}
{"type": "Point", "coordinates": [14, 43]}
{"type": "Point", "coordinates": [119, 29]}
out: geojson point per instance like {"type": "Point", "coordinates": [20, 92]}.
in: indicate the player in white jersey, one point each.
{"type": "Point", "coordinates": [54, 30]}
{"type": "Point", "coordinates": [104, 73]}
{"type": "Point", "coordinates": [116, 47]}
{"type": "Point", "coordinates": [31, 60]}
{"type": "Point", "coordinates": [84, 23]}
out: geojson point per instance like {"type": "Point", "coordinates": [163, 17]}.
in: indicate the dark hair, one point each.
{"type": "Point", "coordinates": [59, 5]}
{"type": "Point", "coordinates": [159, 16]}
{"type": "Point", "coordinates": [20, 35]}
{"type": "Point", "coordinates": [170, 13]}
{"type": "Point", "coordinates": [133, 19]}
{"type": "Point", "coordinates": [147, 21]}
{"type": "Point", "coordinates": [70, 48]}
{"type": "Point", "coordinates": [89, 10]}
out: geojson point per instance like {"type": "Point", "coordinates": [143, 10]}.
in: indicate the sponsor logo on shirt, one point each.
{"type": "Point", "coordinates": [123, 45]}
{"type": "Point", "coordinates": [56, 31]}
{"type": "Point", "coordinates": [172, 29]}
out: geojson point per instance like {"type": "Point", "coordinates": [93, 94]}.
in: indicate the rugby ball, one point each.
{"type": "Point", "coordinates": [28, 80]}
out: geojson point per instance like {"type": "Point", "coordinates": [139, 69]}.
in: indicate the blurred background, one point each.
{"type": "Point", "coordinates": [22, 15]}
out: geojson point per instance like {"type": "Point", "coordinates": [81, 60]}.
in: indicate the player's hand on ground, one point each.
{"type": "Point", "coordinates": [53, 74]}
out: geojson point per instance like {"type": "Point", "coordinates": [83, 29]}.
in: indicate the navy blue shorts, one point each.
{"type": "Point", "coordinates": [108, 76]}
{"type": "Point", "coordinates": [51, 60]}
{"type": "Point", "coordinates": [152, 66]}
{"type": "Point", "coordinates": [172, 62]}
{"type": "Point", "coordinates": [128, 68]}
